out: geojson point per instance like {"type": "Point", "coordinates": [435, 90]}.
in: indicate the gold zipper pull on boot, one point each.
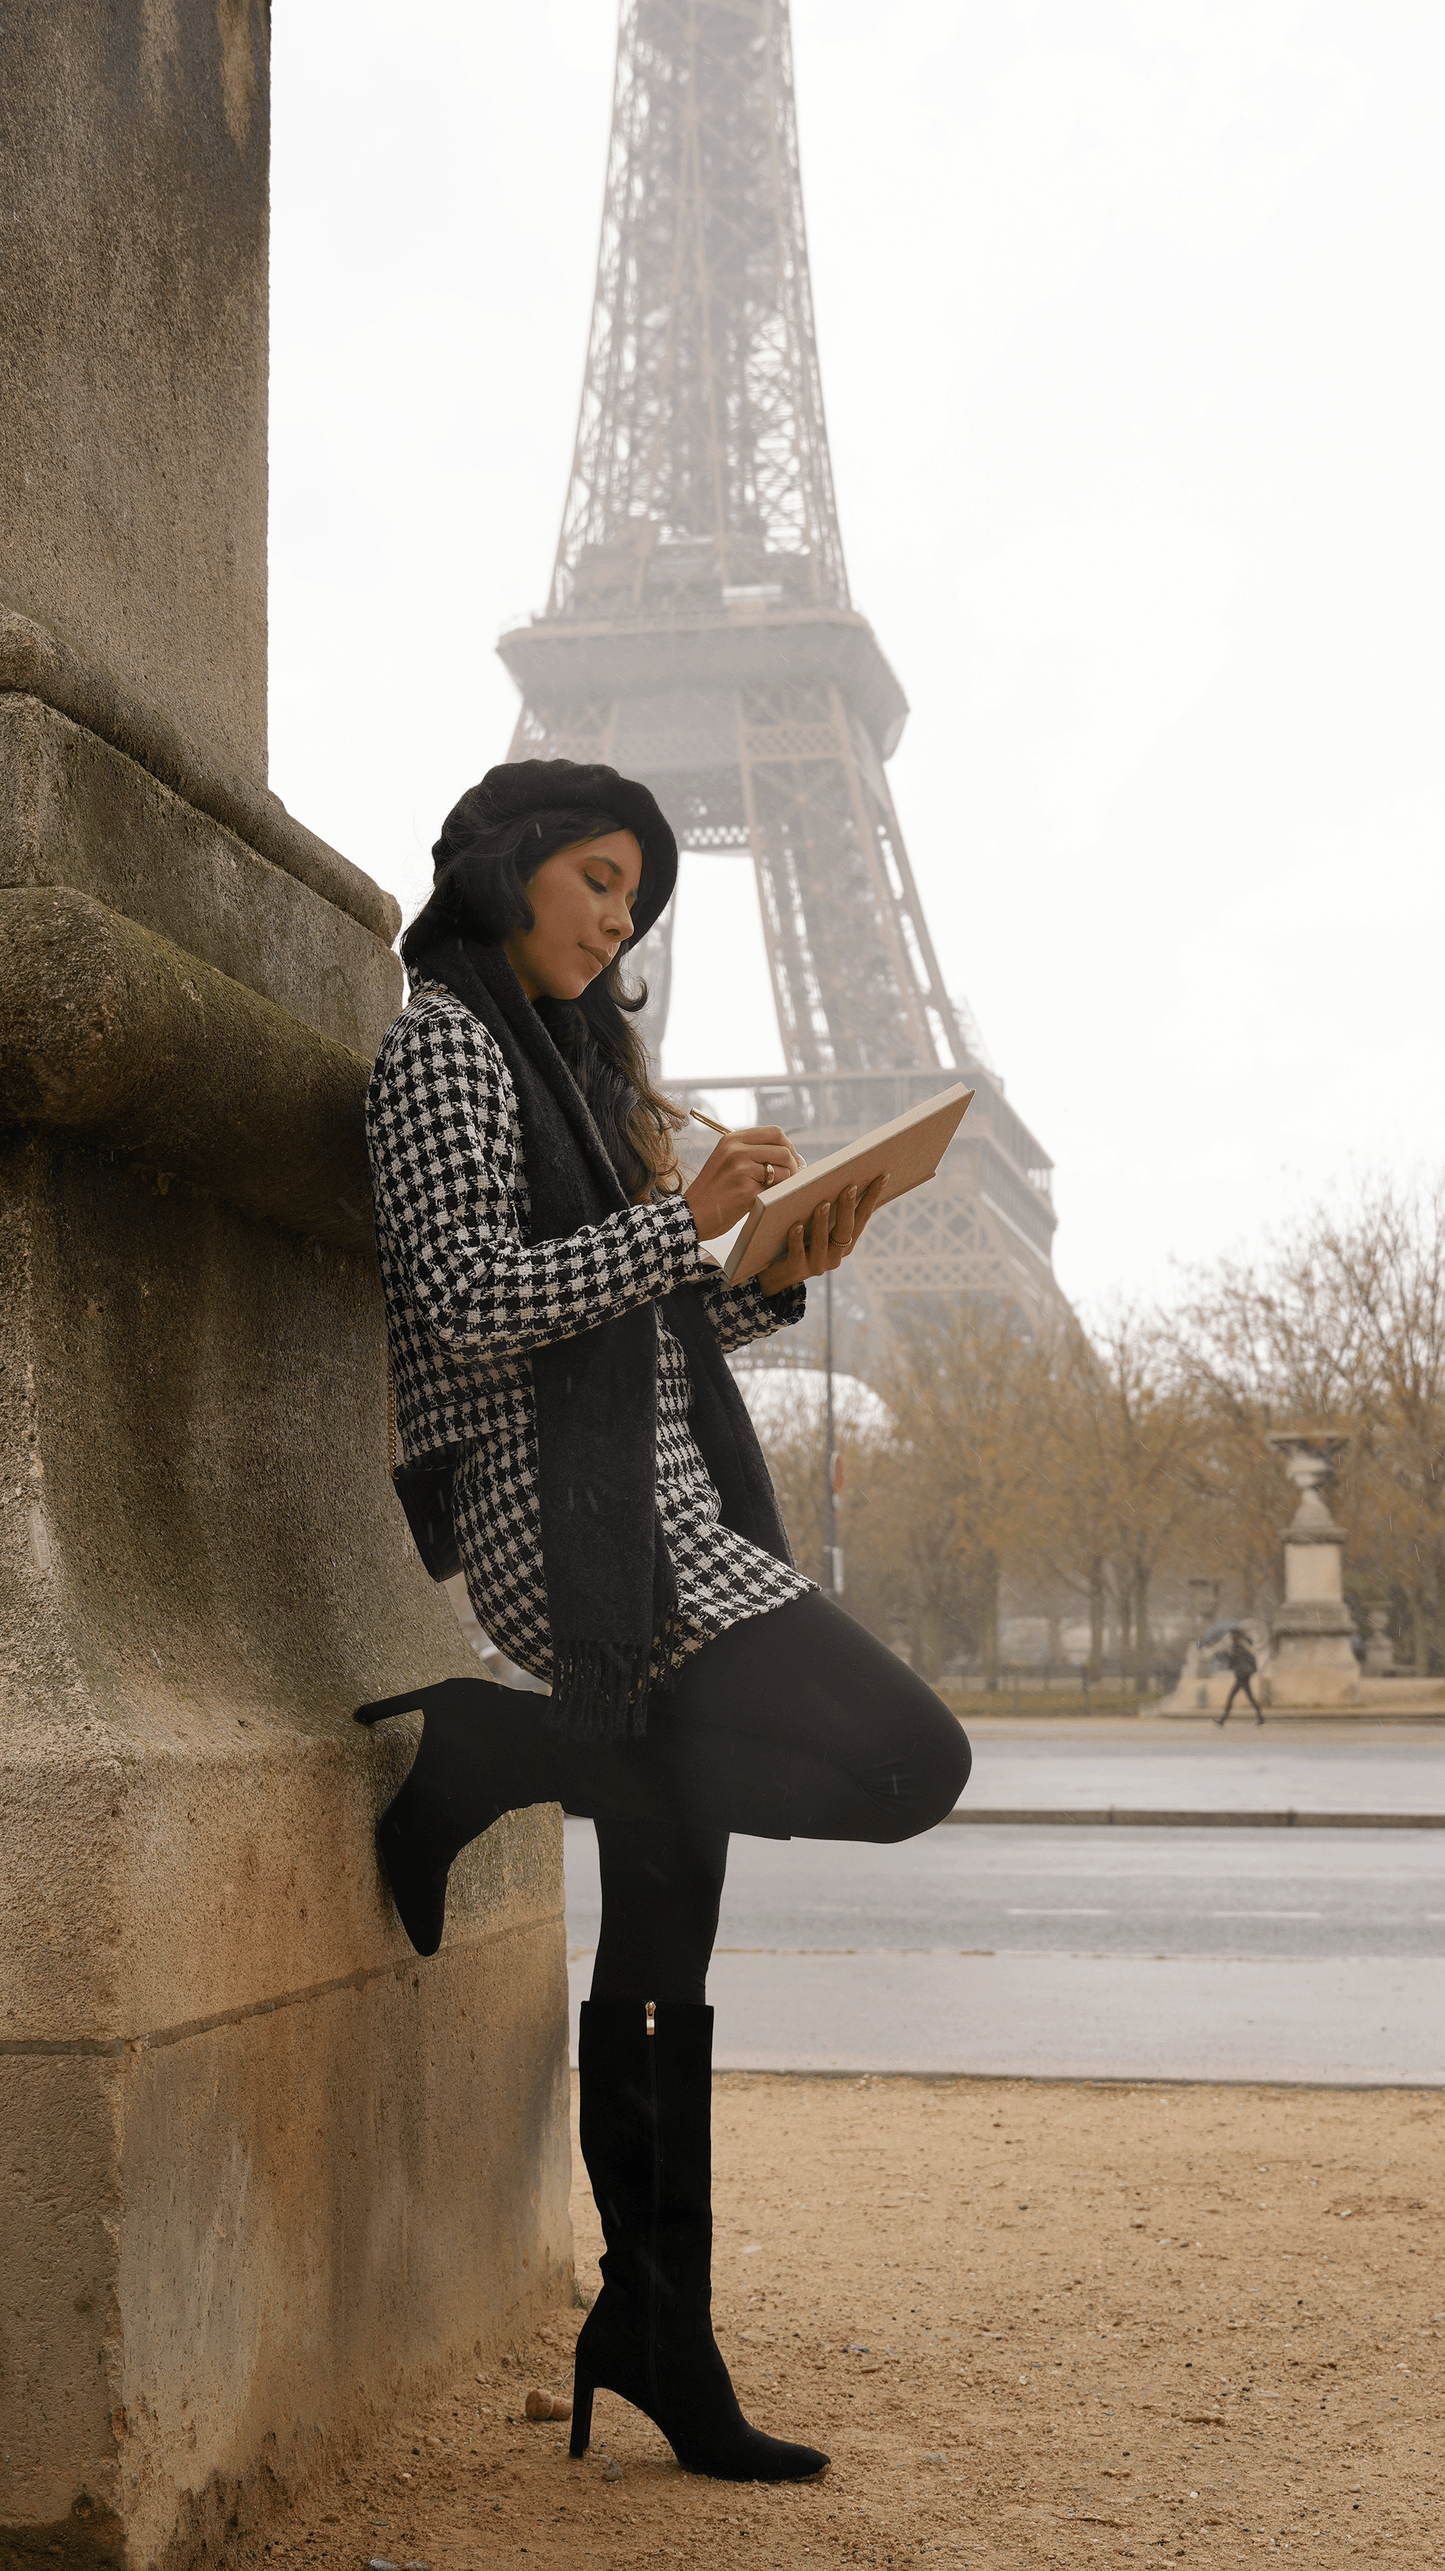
{"type": "Point", "coordinates": [651, 2007]}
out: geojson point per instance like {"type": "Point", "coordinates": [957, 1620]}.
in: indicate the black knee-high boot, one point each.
{"type": "Point", "coordinates": [479, 1757]}
{"type": "Point", "coordinates": [646, 2079]}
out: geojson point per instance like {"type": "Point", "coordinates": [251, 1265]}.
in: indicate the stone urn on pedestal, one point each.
{"type": "Point", "coordinates": [1313, 1661]}
{"type": "Point", "coordinates": [1379, 1649]}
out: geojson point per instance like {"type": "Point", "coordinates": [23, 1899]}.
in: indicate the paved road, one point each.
{"type": "Point", "coordinates": [1179, 1953]}
{"type": "Point", "coordinates": [1176, 1893]}
{"type": "Point", "coordinates": [1196, 1767]}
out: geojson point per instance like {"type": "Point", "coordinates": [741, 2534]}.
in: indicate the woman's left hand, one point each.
{"type": "Point", "coordinates": [825, 1241]}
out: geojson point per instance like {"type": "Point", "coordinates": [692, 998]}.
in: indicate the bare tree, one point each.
{"type": "Point", "coordinates": [1075, 1516]}
{"type": "Point", "coordinates": [1106, 1465]}
{"type": "Point", "coordinates": [964, 1397]}
{"type": "Point", "coordinates": [1340, 1327]}
{"type": "Point", "coordinates": [1385, 1265]}
{"type": "Point", "coordinates": [1139, 1431]}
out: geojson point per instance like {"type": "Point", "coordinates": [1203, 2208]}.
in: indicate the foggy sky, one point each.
{"type": "Point", "coordinates": [1130, 328]}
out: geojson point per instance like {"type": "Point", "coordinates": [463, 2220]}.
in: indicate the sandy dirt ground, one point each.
{"type": "Point", "coordinates": [1031, 2323]}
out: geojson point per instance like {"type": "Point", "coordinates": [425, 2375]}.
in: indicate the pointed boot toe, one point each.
{"type": "Point", "coordinates": [749, 2456]}
{"type": "Point", "coordinates": [700, 2416]}
{"type": "Point", "coordinates": [418, 1883]}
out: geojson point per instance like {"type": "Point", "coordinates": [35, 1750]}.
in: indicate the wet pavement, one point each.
{"type": "Point", "coordinates": [1094, 1952]}
{"type": "Point", "coordinates": [1070, 1764]}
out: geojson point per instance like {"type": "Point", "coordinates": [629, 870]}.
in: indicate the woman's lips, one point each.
{"type": "Point", "coordinates": [600, 958]}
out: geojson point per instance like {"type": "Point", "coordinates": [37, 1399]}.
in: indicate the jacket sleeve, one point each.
{"type": "Point", "coordinates": [741, 1314]}
{"type": "Point", "coordinates": [442, 1133]}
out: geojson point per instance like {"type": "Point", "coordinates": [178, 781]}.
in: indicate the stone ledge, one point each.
{"type": "Point", "coordinates": [77, 813]}
{"type": "Point", "coordinates": [113, 1032]}
{"type": "Point", "coordinates": [191, 1882]}
{"type": "Point", "coordinates": [36, 662]}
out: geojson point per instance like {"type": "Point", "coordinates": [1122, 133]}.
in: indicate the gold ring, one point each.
{"type": "Point", "coordinates": [769, 1167]}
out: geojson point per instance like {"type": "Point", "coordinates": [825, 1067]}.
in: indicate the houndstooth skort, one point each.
{"type": "Point", "coordinates": [468, 1298]}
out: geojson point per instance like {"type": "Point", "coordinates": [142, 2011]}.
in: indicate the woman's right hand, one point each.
{"type": "Point", "coordinates": [735, 1173]}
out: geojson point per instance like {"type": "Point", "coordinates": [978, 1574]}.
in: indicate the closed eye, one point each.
{"type": "Point", "coordinates": [603, 887]}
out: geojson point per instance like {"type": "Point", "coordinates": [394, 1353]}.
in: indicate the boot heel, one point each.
{"type": "Point", "coordinates": [444, 1696]}
{"type": "Point", "coordinates": [582, 2390]}
{"type": "Point", "coordinates": [413, 1701]}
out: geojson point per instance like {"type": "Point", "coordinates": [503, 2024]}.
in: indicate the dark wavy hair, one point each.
{"type": "Point", "coordinates": [482, 873]}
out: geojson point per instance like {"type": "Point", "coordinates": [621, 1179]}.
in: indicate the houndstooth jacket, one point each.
{"type": "Point", "coordinates": [468, 1297]}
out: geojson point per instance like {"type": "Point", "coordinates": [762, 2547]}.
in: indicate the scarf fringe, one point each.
{"type": "Point", "coordinates": [675, 1643]}
{"type": "Point", "coordinates": [599, 1691]}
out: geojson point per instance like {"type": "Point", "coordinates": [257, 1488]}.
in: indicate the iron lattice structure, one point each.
{"type": "Point", "coordinates": [700, 633]}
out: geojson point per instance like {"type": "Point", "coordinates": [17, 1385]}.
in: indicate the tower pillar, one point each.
{"type": "Point", "coordinates": [699, 633]}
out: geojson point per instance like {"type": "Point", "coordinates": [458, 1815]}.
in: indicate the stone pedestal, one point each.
{"type": "Point", "coordinates": [1313, 1661]}
{"type": "Point", "coordinates": [1379, 1650]}
{"type": "Point", "coordinates": [266, 2173]}
{"type": "Point", "coordinates": [1309, 1668]}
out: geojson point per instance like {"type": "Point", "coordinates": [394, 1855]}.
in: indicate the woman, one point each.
{"type": "Point", "coordinates": [558, 1335]}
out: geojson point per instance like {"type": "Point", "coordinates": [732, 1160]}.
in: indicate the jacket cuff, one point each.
{"type": "Point", "coordinates": [785, 1308]}
{"type": "Point", "coordinates": [678, 1240]}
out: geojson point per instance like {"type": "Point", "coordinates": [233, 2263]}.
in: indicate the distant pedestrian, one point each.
{"type": "Point", "coordinates": [1243, 1663]}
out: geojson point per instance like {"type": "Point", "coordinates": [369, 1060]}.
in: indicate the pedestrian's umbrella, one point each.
{"type": "Point", "coordinates": [1216, 1633]}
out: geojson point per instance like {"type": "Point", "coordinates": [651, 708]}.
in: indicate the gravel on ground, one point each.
{"type": "Point", "coordinates": [1033, 2323]}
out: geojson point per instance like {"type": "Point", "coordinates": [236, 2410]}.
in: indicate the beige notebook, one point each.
{"type": "Point", "coordinates": [909, 1149]}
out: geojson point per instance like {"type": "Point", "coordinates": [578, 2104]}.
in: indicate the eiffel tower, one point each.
{"type": "Point", "coordinates": [700, 634]}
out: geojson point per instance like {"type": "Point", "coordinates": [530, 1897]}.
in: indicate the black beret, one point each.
{"type": "Point", "coordinates": [520, 786]}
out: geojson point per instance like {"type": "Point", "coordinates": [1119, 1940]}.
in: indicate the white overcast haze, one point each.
{"type": "Point", "coordinates": [1130, 328]}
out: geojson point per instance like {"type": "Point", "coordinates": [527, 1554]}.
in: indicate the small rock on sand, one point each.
{"type": "Point", "coordinates": [545, 2405]}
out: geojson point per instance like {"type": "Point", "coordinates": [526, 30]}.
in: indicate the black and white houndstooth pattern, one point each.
{"type": "Point", "coordinates": [467, 1299]}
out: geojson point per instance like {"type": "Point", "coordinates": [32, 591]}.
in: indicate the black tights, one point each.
{"type": "Point", "coordinates": [795, 1725]}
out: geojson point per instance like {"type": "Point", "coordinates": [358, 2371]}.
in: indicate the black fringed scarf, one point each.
{"type": "Point", "coordinates": [610, 1587]}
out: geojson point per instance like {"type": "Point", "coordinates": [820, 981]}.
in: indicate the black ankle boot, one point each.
{"type": "Point", "coordinates": [646, 2078]}
{"type": "Point", "coordinates": [467, 1773]}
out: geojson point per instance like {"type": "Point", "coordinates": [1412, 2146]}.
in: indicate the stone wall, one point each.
{"type": "Point", "coordinates": [266, 2167]}
{"type": "Point", "coordinates": [135, 142]}
{"type": "Point", "coordinates": [265, 2171]}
